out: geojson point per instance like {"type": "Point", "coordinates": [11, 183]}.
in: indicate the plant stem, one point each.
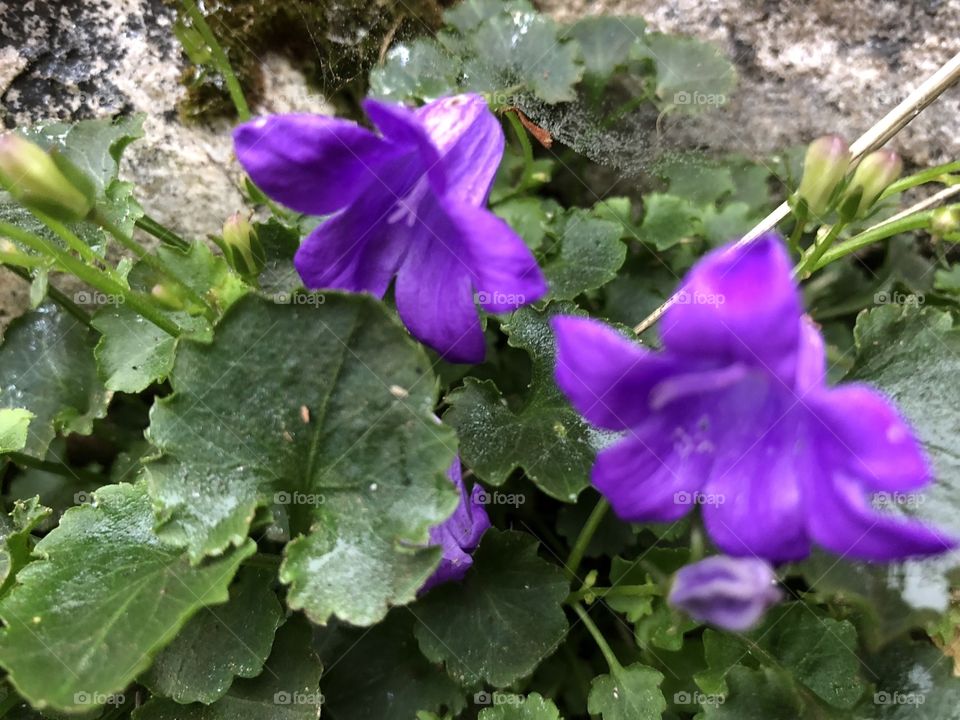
{"type": "Point", "coordinates": [813, 255]}
{"type": "Point", "coordinates": [93, 277]}
{"type": "Point", "coordinates": [917, 221]}
{"type": "Point", "coordinates": [585, 536]}
{"type": "Point", "coordinates": [219, 59]}
{"type": "Point", "coordinates": [55, 468]}
{"type": "Point", "coordinates": [616, 591]}
{"type": "Point", "coordinates": [800, 216]}
{"type": "Point", "coordinates": [73, 242]}
{"type": "Point", "coordinates": [525, 147]}
{"type": "Point", "coordinates": [598, 638]}
{"type": "Point", "coordinates": [924, 176]}
{"type": "Point", "coordinates": [162, 233]}
{"type": "Point", "coordinates": [57, 296]}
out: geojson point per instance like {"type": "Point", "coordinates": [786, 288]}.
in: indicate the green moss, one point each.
{"type": "Point", "coordinates": [335, 43]}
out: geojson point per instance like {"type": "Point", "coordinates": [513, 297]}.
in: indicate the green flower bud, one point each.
{"type": "Point", "coordinates": [945, 222]}
{"type": "Point", "coordinates": [241, 246]}
{"type": "Point", "coordinates": [872, 176]}
{"type": "Point", "coordinates": [43, 181]}
{"type": "Point", "coordinates": [824, 168]}
{"type": "Point", "coordinates": [167, 296]}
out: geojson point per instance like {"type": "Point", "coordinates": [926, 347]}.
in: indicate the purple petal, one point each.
{"type": "Point", "coordinates": [732, 593]}
{"type": "Point", "coordinates": [850, 527]}
{"type": "Point", "coordinates": [506, 273]}
{"type": "Point", "coordinates": [470, 141]}
{"type": "Point", "coordinates": [738, 304]}
{"type": "Point", "coordinates": [400, 125]}
{"type": "Point", "coordinates": [654, 473]}
{"type": "Point", "coordinates": [871, 440]}
{"type": "Point", "coordinates": [606, 377]}
{"type": "Point", "coordinates": [754, 500]}
{"type": "Point", "coordinates": [811, 358]}
{"type": "Point", "coordinates": [295, 158]}
{"type": "Point", "coordinates": [434, 290]}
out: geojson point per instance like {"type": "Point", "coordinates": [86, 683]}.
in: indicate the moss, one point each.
{"type": "Point", "coordinates": [335, 43]}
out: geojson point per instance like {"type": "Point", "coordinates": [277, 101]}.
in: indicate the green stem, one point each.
{"type": "Point", "coordinates": [585, 536]}
{"type": "Point", "coordinates": [813, 255]}
{"type": "Point", "coordinates": [57, 296]}
{"type": "Point", "coordinates": [800, 214]}
{"type": "Point", "coordinates": [918, 221]}
{"type": "Point", "coordinates": [598, 638]}
{"type": "Point", "coordinates": [525, 147]}
{"type": "Point", "coordinates": [55, 468]}
{"type": "Point", "coordinates": [219, 59]}
{"type": "Point", "coordinates": [162, 233]}
{"type": "Point", "coordinates": [616, 591]}
{"type": "Point", "coordinates": [21, 260]}
{"type": "Point", "coordinates": [152, 261]}
{"type": "Point", "coordinates": [73, 242]}
{"type": "Point", "coordinates": [92, 276]}
{"type": "Point", "coordinates": [924, 176]}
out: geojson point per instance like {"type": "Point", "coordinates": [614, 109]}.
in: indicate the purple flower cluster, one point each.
{"type": "Point", "coordinates": [735, 411]}
{"type": "Point", "coordinates": [406, 203]}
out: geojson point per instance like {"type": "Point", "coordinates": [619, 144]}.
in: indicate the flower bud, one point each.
{"type": "Point", "coordinates": [241, 246]}
{"type": "Point", "coordinates": [167, 296]}
{"type": "Point", "coordinates": [945, 222]}
{"type": "Point", "coordinates": [872, 176]}
{"type": "Point", "coordinates": [731, 593]}
{"type": "Point", "coordinates": [39, 180]}
{"type": "Point", "coordinates": [824, 167]}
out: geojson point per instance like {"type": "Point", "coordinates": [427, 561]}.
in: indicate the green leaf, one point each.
{"type": "Point", "coordinates": [694, 178]}
{"type": "Point", "coordinates": [757, 695]}
{"type": "Point", "coordinates": [351, 445]}
{"type": "Point", "coordinates": [691, 75]}
{"type": "Point", "coordinates": [218, 644]}
{"type": "Point", "coordinates": [590, 254]}
{"type": "Point", "coordinates": [667, 219]}
{"type": "Point", "coordinates": [105, 581]}
{"type": "Point", "coordinates": [287, 689]}
{"type": "Point", "coordinates": [608, 42]}
{"type": "Point", "coordinates": [545, 436]}
{"type": "Point", "coordinates": [630, 693]}
{"type": "Point", "coordinates": [502, 620]}
{"type": "Point", "coordinates": [16, 544]}
{"type": "Point", "coordinates": [132, 353]}
{"type": "Point", "coordinates": [422, 70]}
{"type": "Point", "coordinates": [47, 367]}
{"type": "Point", "coordinates": [14, 423]}
{"type": "Point", "coordinates": [532, 707]}
{"type": "Point", "coordinates": [380, 673]}
{"type": "Point", "coordinates": [280, 243]}
{"type": "Point", "coordinates": [911, 680]}
{"type": "Point", "coordinates": [528, 216]}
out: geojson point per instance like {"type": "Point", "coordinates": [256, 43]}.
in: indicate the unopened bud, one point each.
{"type": "Point", "coordinates": [241, 246]}
{"type": "Point", "coordinates": [39, 180]}
{"type": "Point", "coordinates": [824, 167]}
{"type": "Point", "coordinates": [872, 176]}
{"type": "Point", "coordinates": [945, 222]}
{"type": "Point", "coordinates": [167, 297]}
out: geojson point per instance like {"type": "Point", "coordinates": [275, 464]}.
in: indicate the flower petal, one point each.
{"type": "Point", "coordinates": [754, 500]}
{"type": "Point", "coordinates": [606, 377]}
{"type": "Point", "coordinates": [654, 474]}
{"type": "Point", "coordinates": [732, 593]}
{"type": "Point", "coordinates": [739, 303]}
{"type": "Point", "coordinates": [401, 126]}
{"type": "Point", "coordinates": [312, 163]}
{"type": "Point", "coordinates": [852, 528]}
{"type": "Point", "coordinates": [871, 440]}
{"type": "Point", "coordinates": [434, 290]}
{"type": "Point", "coordinates": [811, 358]}
{"type": "Point", "coordinates": [505, 271]}
{"type": "Point", "coordinates": [470, 141]}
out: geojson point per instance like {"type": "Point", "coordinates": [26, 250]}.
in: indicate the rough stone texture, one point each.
{"type": "Point", "coordinates": [811, 67]}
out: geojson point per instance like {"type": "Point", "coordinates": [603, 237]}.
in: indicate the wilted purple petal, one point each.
{"type": "Point", "coordinates": [459, 535]}
{"type": "Point", "coordinates": [731, 593]}
{"type": "Point", "coordinates": [285, 155]}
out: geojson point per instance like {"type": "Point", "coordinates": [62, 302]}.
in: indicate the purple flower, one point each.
{"type": "Point", "coordinates": [459, 534]}
{"type": "Point", "coordinates": [735, 415]}
{"type": "Point", "coordinates": [732, 593]}
{"type": "Point", "coordinates": [408, 202]}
